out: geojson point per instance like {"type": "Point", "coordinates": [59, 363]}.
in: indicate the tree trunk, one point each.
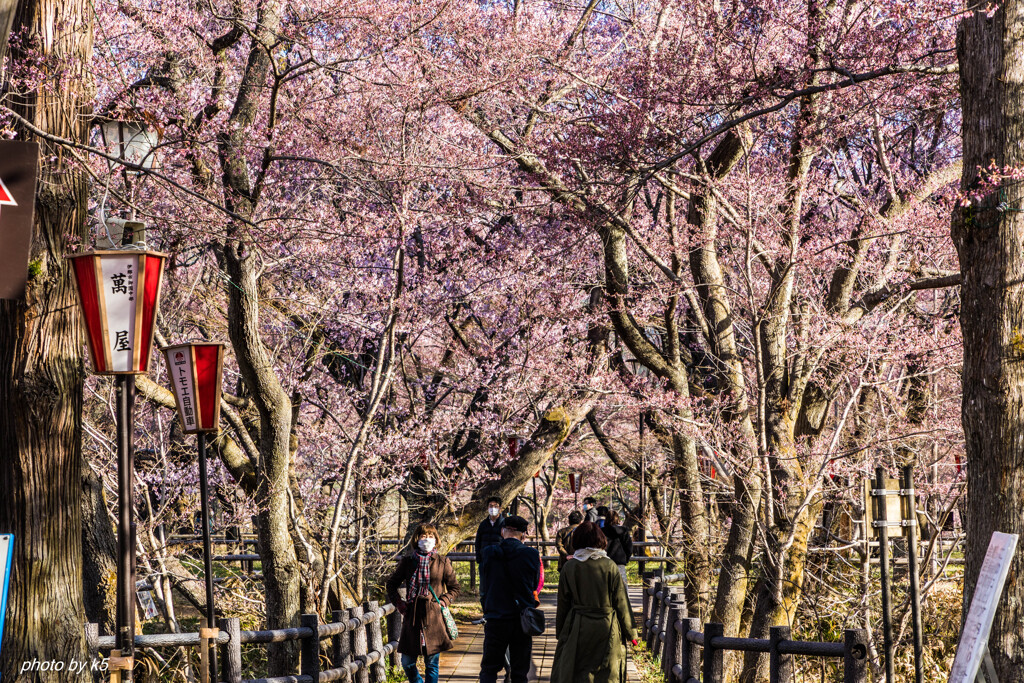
{"type": "Point", "coordinates": [99, 553]}
{"type": "Point", "coordinates": [990, 49]}
{"type": "Point", "coordinates": [41, 371]}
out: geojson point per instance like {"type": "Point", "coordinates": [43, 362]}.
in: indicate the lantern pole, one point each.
{"type": "Point", "coordinates": [126, 519]}
{"type": "Point", "coordinates": [204, 492]}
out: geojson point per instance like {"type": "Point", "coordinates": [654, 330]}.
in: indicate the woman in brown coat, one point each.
{"type": "Point", "coordinates": [430, 582]}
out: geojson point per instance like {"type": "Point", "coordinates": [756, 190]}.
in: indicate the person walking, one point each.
{"type": "Point", "coordinates": [620, 543]}
{"type": "Point", "coordinates": [510, 579]}
{"type": "Point", "coordinates": [590, 509]}
{"type": "Point", "coordinates": [563, 539]}
{"type": "Point", "coordinates": [593, 621]}
{"type": "Point", "coordinates": [430, 582]}
{"type": "Point", "coordinates": [488, 534]}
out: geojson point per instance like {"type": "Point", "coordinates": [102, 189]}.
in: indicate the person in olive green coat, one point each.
{"type": "Point", "coordinates": [593, 621]}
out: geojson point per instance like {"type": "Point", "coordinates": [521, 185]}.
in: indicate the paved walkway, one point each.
{"type": "Point", "coordinates": [462, 665]}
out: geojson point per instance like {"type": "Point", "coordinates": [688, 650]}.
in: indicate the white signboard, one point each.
{"type": "Point", "coordinates": [973, 648]}
{"type": "Point", "coordinates": [118, 287]}
{"type": "Point", "coordinates": [183, 382]}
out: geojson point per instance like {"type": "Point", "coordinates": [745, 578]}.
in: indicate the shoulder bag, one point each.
{"type": "Point", "coordinates": [446, 616]}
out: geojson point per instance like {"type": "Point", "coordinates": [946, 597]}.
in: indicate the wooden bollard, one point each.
{"type": "Point", "coordinates": [780, 666]}
{"type": "Point", "coordinates": [341, 644]}
{"type": "Point", "coordinates": [375, 642]}
{"type": "Point", "coordinates": [713, 663]}
{"type": "Point", "coordinates": [310, 663]}
{"type": "Point", "coordinates": [394, 635]}
{"type": "Point", "coordinates": [690, 660]}
{"type": "Point", "coordinates": [231, 652]}
{"type": "Point", "coordinates": [359, 648]}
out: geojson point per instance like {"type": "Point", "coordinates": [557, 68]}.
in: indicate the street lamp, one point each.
{"type": "Point", "coordinates": [195, 370]}
{"type": "Point", "coordinates": [132, 142]}
{"type": "Point", "coordinates": [119, 292]}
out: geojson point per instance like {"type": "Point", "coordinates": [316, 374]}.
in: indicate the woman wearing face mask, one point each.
{"type": "Point", "coordinates": [429, 579]}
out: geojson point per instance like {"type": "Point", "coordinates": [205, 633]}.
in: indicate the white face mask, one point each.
{"type": "Point", "coordinates": [493, 511]}
{"type": "Point", "coordinates": [427, 544]}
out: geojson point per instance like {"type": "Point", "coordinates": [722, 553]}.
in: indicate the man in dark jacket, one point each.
{"type": "Point", "coordinates": [513, 569]}
{"type": "Point", "coordinates": [489, 531]}
{"type": "Point", "coordinates": [563, 539]}
{"type": "Point", "coordinates": [488, 534]}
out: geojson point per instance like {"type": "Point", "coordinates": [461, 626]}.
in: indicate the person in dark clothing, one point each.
{"type": "Point", "coordinates": [487, 535]}
{"type": "Point", "coordinates": [489, 531]}
{"type": "Point", "coordinates": [425, 574]}
{"type": "Point", "coordinates": [513, 571]}
{"type": "Point", "coordinates": [620, 543]}
{"type": "Point", "coordinates": [563, 539]}
{"type": "Point", "coordinates": [589, 509]}
{"type": "Point", "coordinates": [602, 515]}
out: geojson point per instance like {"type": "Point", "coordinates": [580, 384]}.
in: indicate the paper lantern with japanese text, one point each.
{"type": "Point", "coordinates": [119, 291]}
{"type": "Point", "coordinates": [195, 370]}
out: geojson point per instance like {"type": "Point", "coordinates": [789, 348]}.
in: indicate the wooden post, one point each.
{"type": "Point", "coordinates": [340, 643]}
{"type": "Point", "coordinates": [690, 660]}
{"type": "Point", "coordinates": [359, 647]}
{"type": "Point", "coordinates": [311, 647]}
{"type": "Point", "coordinates": [670, 658]}
{"type": "Point", "coordinates": [652, 631]}
{"type": "Point", "coordinates": [780, 666]}
{"type": "Point", "coordinates": [375, 638]}
{"type": "Point", "coordinates": [855, 656]}
{"type": "Point", "coordinates": [646, 581]}
{"type": "Point", "coordinates": [394, 634]}
{"type": "Point", "coordinates": [231, 654]}
{"type": "Point", "coordinates": [712, 655]}
{"type": "Point", "coordinates": [659, 644]}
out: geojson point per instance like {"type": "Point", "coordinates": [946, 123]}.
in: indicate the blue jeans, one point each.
{"type": "Point", "coordinates": [430, 663]}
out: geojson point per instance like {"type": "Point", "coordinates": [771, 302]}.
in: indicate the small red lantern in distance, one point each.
{"type": "Point", "coordinates": [119, 291]}
{"type": "Point", "coordinates": [572, 482]}
{"type": "Point", "coordinates": [196, 370]}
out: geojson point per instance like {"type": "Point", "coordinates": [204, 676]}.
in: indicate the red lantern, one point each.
{"type": "Point", "coordinates": [119, 291]}
{"type": "Point", "coordinates": [573, 487]}
{"type": "Point", "coordinates": [196, 370]}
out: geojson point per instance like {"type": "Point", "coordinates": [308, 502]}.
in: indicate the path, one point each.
{"type": "Point", "coordinates": [462, 665]}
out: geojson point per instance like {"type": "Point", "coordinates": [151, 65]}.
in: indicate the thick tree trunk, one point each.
{"type": "Point", "coordinates": [280, 563]}
{"type": "Point", "coordinates": [99, 553]}
{"type": "Point", "coordinates": [41, 370]}
{"type": "Point", "coordinates": [987, 235]}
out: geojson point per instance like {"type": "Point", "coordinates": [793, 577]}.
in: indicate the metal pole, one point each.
{"type": "Point", "coordinates": [907, 485]}
{"type": "Point", "coordinates": [204, 493]}
{"type": "Point", "coordinates": [125, 391]}
{"type": "Point", "coordinates": [883, 555]}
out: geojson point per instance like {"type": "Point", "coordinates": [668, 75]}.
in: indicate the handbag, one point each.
{"type": "Point", "coordinates": [450, 627]}
{"type": "Point", "coordinates": [531, 620]}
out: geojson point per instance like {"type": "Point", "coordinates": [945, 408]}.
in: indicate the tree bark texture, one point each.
{"type": "Point", "coordinates": [99, 554]}
{"type": "Point", "coordinates": [41, 366]}
{"type": "Point", "coordinates": [987, 235]}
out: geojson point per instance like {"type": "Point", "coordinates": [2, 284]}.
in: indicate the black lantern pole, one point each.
{"type": "Point", "coordinates": [125, 388]}
{"type": "Point", "coordinates": [119, 292]}
{"type": "Point", "coordinates": [196, 370]}
{"type": "Point", "coordinates": [204, 491]}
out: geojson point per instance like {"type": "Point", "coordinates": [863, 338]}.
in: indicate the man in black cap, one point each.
{"type": "Point", "coordinates": [514, 570]}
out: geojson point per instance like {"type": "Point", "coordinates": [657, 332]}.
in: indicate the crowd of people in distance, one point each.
{"type": "Point", "coordinates": [593, 622]}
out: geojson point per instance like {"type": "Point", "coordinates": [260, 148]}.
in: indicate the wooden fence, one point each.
{"type": "Point", "coordinates": [355, 647]}
{"type": "Point", "coordinates": [689, 655]}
